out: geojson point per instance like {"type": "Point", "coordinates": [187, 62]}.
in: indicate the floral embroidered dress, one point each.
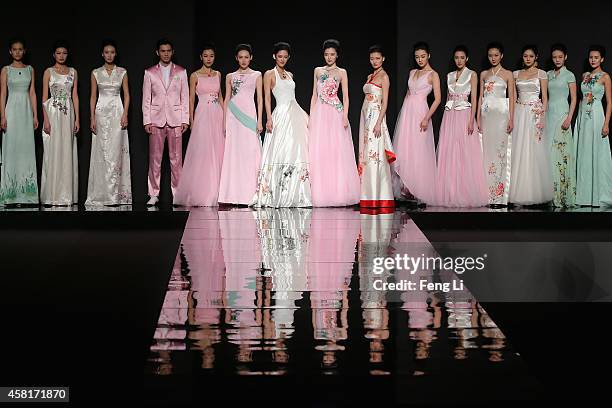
{"type": "Point", "coordinates": [242, 151]}
{"type": "Point", "coordinates": [563, 164]}
{"type": "Point", "coordinates": [530, 181]}
{"type": "Point", "coordinates": [375, 152]}
{"type": "Point", "coordinates": [18, 180]}
{"type": "Point", "coordinates": [109, 169]}
{"type": "Point", "coordinates": [331, 154]}
{"type": "Point", "coordinates": [496, 142]}
{"type": "Point", "coordinates": [593, 161]}
{"type": "Point", "coordinates": [283, 178]}
{"type": "Point", "coordinates": [59, 181]}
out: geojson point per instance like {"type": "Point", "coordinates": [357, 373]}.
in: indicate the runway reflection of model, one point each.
{"type": "Point", "coordinates": [333, 236]}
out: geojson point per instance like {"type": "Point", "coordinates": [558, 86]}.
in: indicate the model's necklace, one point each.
{"type": "Point", "coordinates": [282, 72]}
{"type": "Point", "coordinates": [207, 71]}
{"type": "Point", "coordinates": [495, 73]}
{"type": "Point", "coordinates": [109, 71]}
{"type": "Point", "coordinates": [63, 70]}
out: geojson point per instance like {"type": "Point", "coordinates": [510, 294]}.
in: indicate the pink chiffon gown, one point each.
{"type": "Point", "coordinates": [333, 168]}
{"type": "Point", "coordinates": [415, 150]}
{"type": "Point", "coordinates": [242, 153]}
{"type": "Point", "coordinates": [460, 178]}
{"type": "Point", "coordinates": [199, 183]}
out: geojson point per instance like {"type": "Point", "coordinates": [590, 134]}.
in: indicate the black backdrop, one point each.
{"type": "Point", "coordinates": [136, 26]}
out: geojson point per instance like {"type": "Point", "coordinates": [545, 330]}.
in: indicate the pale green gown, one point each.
{"type": "Point", "coordinates": [18, 178]}
{"type": "Point", "coordinates": [593, 159]}
{"type": "Point", "coordinates": [561, 141]}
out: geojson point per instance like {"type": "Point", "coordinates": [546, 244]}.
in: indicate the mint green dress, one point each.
{"type": "Point", "coordinates": [561, 141]}
{"type": "Point", "coordinates": [18, 178]}
{"type": "Point", "coordinates": [593, 160]}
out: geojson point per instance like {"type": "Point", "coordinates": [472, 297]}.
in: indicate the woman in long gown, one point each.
{"type": "Point", "coordinates": [59, 181]}
{"type": "Point", "coordinates": [460, 178]}
{"type": "Point", "coordinates": [199, 183]}
{"type": "Point", "coordinates": [375, 148]}
{"type": "Point", "coordinates": [109, 169]}
{"type": "Point", "coordinates": [558, 129]}
{"type": "Point", "coordinates": [243, 125]}
{"type": "Point", "coordinates": [18, 183]}
{"type": "Point", "coordinates": [495, 117]}
{"type": "Point", "coordinates": [331, 154]}
{"type": "Point", "coordinates": [413, 141]}
{"type": "Point", "coordinates": [593, 160]}
{"type": "Point", "coordinates": [283, 178]}
{"type": "Point", "coordinates": [530, 179]}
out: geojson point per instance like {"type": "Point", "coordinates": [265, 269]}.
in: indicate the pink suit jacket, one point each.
{"type": "Point", "coordinates": [165, 106]}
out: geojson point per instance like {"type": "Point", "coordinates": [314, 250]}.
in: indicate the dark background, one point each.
{"type": "Point", "coordinates": [397, 25]}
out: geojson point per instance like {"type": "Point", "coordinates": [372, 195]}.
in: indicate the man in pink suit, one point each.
{"type": "Point", "coordinates": [165, 115]}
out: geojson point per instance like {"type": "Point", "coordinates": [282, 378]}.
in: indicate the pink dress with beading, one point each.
{"type": "Point", "coordinates": [199, 183]}
{"type": "Point", "coordinates": [333, 169]}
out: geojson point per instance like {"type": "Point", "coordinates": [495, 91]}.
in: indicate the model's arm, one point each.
{"type": "Point", "coordinates": [33, 99]}
{"type": "Point", "coordinates": [435, 83]}
{"type": "Point", "coordinates": [572, 108]}
{"type": "Point", "coordinates": [512, 101]}
{"type": "Point", "coordinates": [228, 95]}
{"type": "Point", "coordinates": [3, 93]}
{"type": "Point", "coordinates": [345, 96]}
{"type": "Point", "coordinates": [383, 107]}
{"type": "Point", "coordinates": [45, 97]}
{"type": "Point", "coordinates": [605, 131]}
{"type": "Point", "coordinates": [473, 101]}
{"type": "Point", "coordinates": [313, 99]}
{"type": "Point", "coordinates": [126, 100]}
{"type": "Point", "coordinates": [146, 102]}
{"type": "Point", "coordinates": [480, 96]}
{"type": "Point", "coordinates": [544, 90]}
{"type": "Point", "coordinates": [92, 102]}
{"type": "Point", "coordinates": [75, 102]}
{"type": "Point", "coordinates": [268, 85]}
{"type": "Point", "coordinates": [193, 83]}
{"type": "Point", "coordinates": [184, 101]}
{"type": "Point", "coordinates": [259, 104]}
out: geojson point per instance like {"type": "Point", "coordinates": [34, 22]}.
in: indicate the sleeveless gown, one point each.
{"type": "Point", "coordinates": [460, 177]}
{"type": "Point", "coordinates": [530, 180]}
{"type": "Point", "coordinates": [18, 182]}
{"type": "Point", "coordinates": [593, 160]}
{"type": "Point", "coordinates": [496, 142]}
{"type": "Point", "coordinates": [242, 151]}
{"type": "Point", "coordinates": [59, 181]}
{"type": "Point", "coordinates": [199, 183]}
{"type": "Point", "coordinates": [283, 179]}
{"type": "Point", "coordinates": [375, 153]}
{"type": "Point", "coordinates": [109, 169]}
{"type": "Point", "coordinates": [331, 154]}
{"type": "Point", "coordinates": [561, 142]}
{"type": "Point", "coordinates": [415, 167]}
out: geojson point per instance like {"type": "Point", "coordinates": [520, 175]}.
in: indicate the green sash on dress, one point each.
{"type": "Point", "coordinates": [242, 117]}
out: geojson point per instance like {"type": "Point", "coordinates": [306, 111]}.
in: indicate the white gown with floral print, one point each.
{"type": "Point", "coordinates": [59, 169]}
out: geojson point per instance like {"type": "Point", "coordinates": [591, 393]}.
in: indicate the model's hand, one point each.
{"type": "Point", "coordinates": [423, 125]}
{"type": "Point", "coordinates": [47, 127]}
{"type": "Point", "coordinates": [76, 128]}
{"type": "Point", "coordinates": [184, 127]}
{"type": "Point", "coordinates": [269, 125]}
{"type": "Point", "coordinates": [148, 128]}
{"type": "Point", "coordinates": [377, 130]}
{"type": "Point", "coordinates": [191, 123]}
{"type": "Point", "coordinates": [605, 131]}
{"type": "Point", "coordinates": [470, 128]}
{"type": "Point", "coordinates": [92, 124]}
{"type": "Point", "coordinates": [3, 124]}
{"type": "Point", "coordinates": [566, 123]}
{"type": "Point", "coordinates": [259, 127]}
{"type": "Point", "coordinates": [510, 126]}
{"type": "Point", "coordinates": [35, 123]}
{"type": "Point", "coordinates": [124, 121]}
{"type": "Point", "coordinates": [345, 122]}
{"type": "Point", "coordinates": [479, 125]}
